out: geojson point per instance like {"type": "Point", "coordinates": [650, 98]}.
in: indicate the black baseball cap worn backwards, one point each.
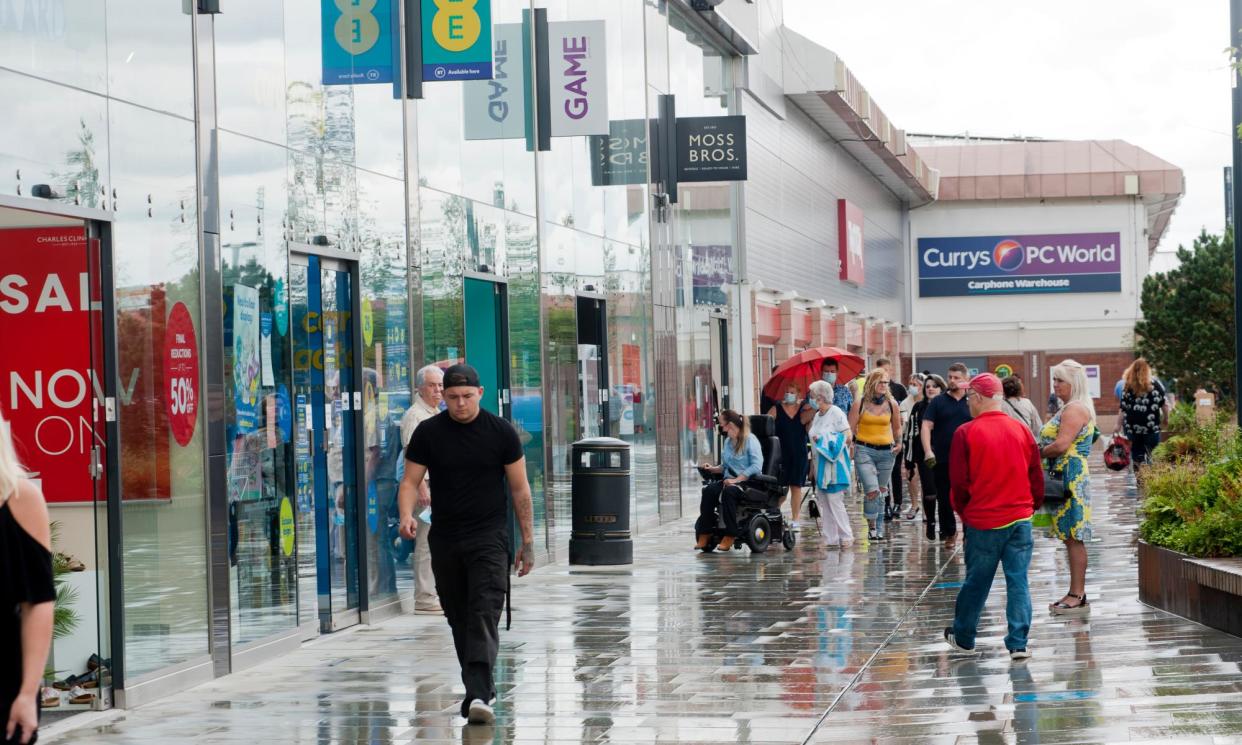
{"type": "Point", "coordinates": [461, 375]}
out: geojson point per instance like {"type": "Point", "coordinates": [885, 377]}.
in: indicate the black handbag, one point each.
{"type": "Point", "coordinates": [1055, 492]}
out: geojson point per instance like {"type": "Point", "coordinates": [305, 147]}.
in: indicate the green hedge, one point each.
{"type": "Point", "coordinates": [1193, 490]}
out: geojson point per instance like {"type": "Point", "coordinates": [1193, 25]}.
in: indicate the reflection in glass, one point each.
{"type": "Point", "coordinates": [257, 376]}
{"type": "Point", "coordinates": [63, 42]}
{"type": "Point", "coordinates": [67, 150]}
{"type": "Point", "coordinates": [156, 264]}
{"type": "Point", "coordinates": [150, 55]}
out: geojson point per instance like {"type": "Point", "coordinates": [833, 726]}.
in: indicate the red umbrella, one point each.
{"type": "Point", "coordinates": [805, 367]}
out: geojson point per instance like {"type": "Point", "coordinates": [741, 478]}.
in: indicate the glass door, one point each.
{"type": "Point", "coordinates": [56, 403]}
{"type": "Point", "coordinates": [327, 404]}
{"type": "Point", "coordinates": [487, 340]}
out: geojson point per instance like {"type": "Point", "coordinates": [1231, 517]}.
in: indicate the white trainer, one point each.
{"type": "Point", "coordinates": [481, 713]}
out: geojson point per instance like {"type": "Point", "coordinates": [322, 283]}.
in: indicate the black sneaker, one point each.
{"type": "Point", "coordinates": [1019, 655]}
{"type": "Point", "coordinates": [948, 637]}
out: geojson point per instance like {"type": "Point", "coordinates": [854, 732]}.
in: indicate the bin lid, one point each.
{"type": "Point", "coordinates": [601, 443]}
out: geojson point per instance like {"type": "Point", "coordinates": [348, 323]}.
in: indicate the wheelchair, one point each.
{"type": "Point", "coordinates": [759, 518]}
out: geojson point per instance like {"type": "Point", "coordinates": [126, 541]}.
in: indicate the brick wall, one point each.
{"type": "Point", "coordinates": [1112, 364]}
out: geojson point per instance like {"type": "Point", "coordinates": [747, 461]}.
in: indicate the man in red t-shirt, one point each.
{"type": "Point", "coordinates": [997, 484]}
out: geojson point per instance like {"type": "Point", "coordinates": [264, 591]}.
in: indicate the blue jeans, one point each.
{"type": "Point", "coordinates": [1011, 548]}
{"type": "Point", "coordinates": [875, 473]}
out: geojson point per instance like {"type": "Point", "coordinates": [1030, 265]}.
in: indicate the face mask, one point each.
{"type": "Point", "coordinates": [879, 399]}
{"type": "Point", "coordinates": [830, 377]}
{"type": "Point", "coordinates": [791, 398]}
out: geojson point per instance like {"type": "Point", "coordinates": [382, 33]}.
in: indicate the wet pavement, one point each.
{"type": "Point", "coordinates": [818, 645]}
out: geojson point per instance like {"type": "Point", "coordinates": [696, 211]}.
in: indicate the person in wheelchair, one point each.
{"type": "Point", "coordinates": [741, 458]}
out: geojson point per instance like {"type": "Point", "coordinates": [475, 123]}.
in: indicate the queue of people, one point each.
{"type": "Point", "coordinates": [975, 448]}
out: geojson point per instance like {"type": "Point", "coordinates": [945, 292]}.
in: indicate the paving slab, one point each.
{"type": "Point", "coordinates": [815, 645]}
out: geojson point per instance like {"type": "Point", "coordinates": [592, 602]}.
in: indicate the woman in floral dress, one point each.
{"type": "Point", "coordinates": [1065, 442]}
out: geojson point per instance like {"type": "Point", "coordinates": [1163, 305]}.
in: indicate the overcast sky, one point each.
{"type": "Point", "coordinates": [1150, 72]}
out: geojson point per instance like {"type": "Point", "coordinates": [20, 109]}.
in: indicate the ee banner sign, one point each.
{"type": "Point", "coordinates": [356, 39]}
{"type": "Point", "coordinates": [457, 40]}
{"type": "Point", "coordinates": [1019, 264]}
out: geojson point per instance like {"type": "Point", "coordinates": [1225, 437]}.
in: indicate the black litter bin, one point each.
{"type": "Point", "coordinates": [601, 502]}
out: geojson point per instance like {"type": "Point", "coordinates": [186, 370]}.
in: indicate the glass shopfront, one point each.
{"type": "Point", "coordinates": [537, 265]}
{"type": "Point", "coordinates": [51, 321]}
{"type": "Point", "coordinates": [701, 230]}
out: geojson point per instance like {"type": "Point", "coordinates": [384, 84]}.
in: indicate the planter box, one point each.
{"type": "Point", "coordinates": [1208, 591]}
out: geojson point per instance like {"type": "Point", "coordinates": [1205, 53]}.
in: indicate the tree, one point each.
{"type": "Point", "coordinates": [1187, 331]}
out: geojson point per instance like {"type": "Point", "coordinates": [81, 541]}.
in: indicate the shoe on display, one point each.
{"type": "Point", "coordinates": [1018, 655]}
{"type": "Point", "coordinates": [50, 697]}
{"type": "Point", "coordinates": [79, 695]}
{"type": "Point", "coordinates": [481, 713]}
{"type": "Point", "coordinates": [948, 637]}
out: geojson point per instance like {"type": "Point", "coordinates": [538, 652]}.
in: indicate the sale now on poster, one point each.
{"type": "Point", "coordinates": [49, 311]}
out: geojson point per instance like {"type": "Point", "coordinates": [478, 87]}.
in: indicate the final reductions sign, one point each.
{"type": "Point", "coordinates": [1020, 264]}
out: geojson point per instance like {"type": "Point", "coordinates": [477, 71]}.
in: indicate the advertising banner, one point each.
{"type": "Point", "coordinates": [48, 313]}
{"type": "Point", "coordinates": [850, 241]}
{"type": "Point", "coordinates": [357, 41]}
{"type": "Point", "coordinates": [578, 68]}
{"type": "Point", "coordinates": [457, 39]}
{"type": "Point", "coordinates": [496, 109]}
{"type": "Point", "coordinates": [713, 267]}
{"type": "Point", "coordinates": [246, 358]}
{"type": "Point", "coordinates": [711, 148]}
{"type": "Point", "coordinates": [620, 157]}
{"type": "Point", "coordinates": [1019, 264]}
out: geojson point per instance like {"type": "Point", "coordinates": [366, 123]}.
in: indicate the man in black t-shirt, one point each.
{"type": "Point", "coordinates": [469, 454]}
{"type": "Point", "coordinates": [944, 414]}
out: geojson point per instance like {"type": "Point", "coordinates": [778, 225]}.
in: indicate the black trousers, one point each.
{"type": "Point", "coordinates": [944, 507]}
{"type": "Point", "coordinates": [471, 574]}
{"type": "Point", "coordinates": [716, 494]}
{"type": "Point", "coordinates": [1141, 447]}
{"type": "Point", "coordinates": [893, 499]}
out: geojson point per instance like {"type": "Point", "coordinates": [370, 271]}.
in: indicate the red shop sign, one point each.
{"type": "Point", "coordinates": [49, 312]}
{"type": "Point", "coordinates": [181, 374]}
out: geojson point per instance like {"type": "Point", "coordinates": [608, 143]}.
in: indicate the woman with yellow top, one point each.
{"type": "Point", "coordinates": [875, 420]}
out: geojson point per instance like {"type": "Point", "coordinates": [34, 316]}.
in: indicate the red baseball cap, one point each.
{"type": "Point", "coordinates": [986, 385]}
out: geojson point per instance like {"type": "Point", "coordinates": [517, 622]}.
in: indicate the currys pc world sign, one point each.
{"type": "Point", "coordinates": [1019, 264]}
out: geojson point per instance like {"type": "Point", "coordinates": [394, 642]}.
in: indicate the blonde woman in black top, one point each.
{"type": "Point", "coordinates": [26, 594]}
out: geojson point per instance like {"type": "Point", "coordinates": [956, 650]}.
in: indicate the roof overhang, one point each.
{"type": "Point", "coordinates": [981, 170]}
{"type": "Point", "coordinates": [819, 84]}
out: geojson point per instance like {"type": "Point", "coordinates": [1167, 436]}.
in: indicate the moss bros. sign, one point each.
{"type": "Point", "coordinates": [711, 148]}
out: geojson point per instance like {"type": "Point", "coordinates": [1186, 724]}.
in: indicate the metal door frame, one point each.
{"type": "Point", "coordinates": [601, 330]}
{"type": "Point", "coordinates": [299, 253]}
{"type": "Point", "coordinates": [97, 226]}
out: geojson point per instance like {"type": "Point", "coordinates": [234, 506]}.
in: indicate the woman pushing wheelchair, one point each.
{"type": "Point", "coordinates": [741, 458]}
